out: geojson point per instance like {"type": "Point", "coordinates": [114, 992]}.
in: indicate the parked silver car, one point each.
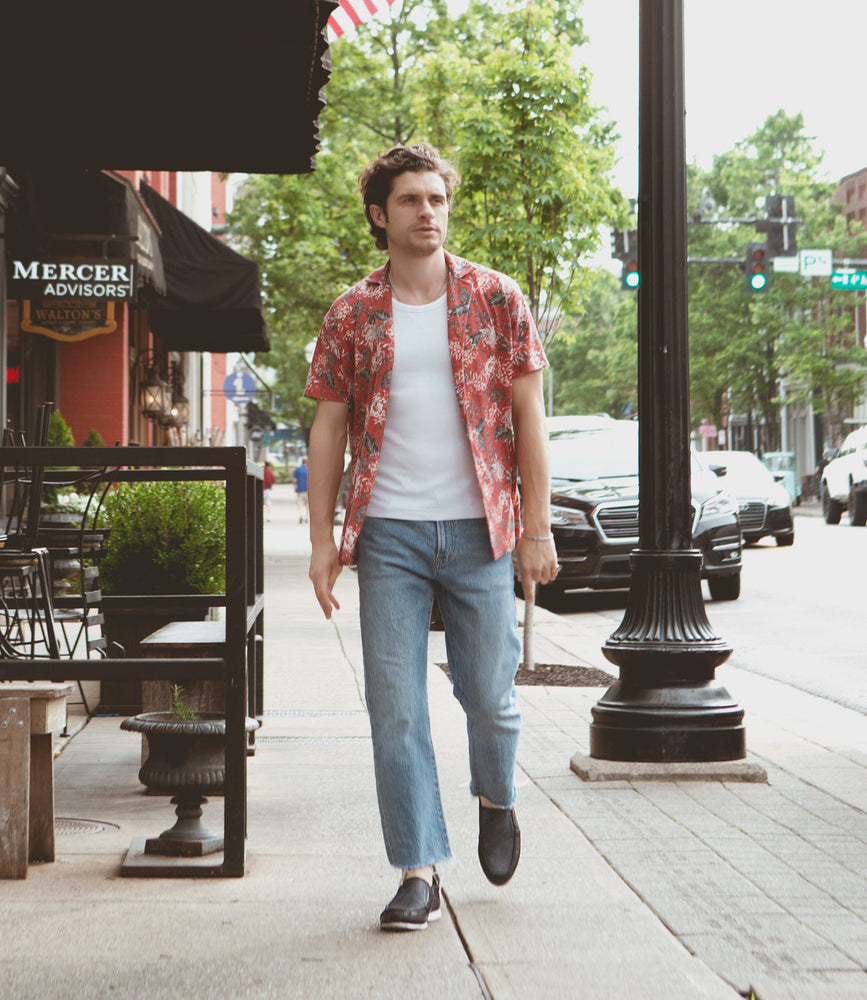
{"type": "Point", "coordinates": [764, 505]}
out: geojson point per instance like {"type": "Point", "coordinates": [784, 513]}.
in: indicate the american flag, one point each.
{"type": "Point", "coordinates": [351, 13]}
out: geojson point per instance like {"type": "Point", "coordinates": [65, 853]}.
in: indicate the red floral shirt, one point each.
{"type": "Point", "coordinates": [492, 339]}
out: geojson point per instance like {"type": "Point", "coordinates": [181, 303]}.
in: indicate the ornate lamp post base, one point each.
{"type": "Point", "coordinates": [667, 705]}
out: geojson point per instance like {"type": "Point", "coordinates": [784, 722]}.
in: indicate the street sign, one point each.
{"type": "Point", "coordinates": [849, 279]}
{"type": "Point", "coordinates": [816, 263]}
{"type": "Point", "coordinates": [239, 387]}
{"type": "Point", "coordinates": [787, 265]}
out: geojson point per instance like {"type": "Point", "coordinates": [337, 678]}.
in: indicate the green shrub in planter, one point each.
{"type": "Point", "coordinates": [166, 538]}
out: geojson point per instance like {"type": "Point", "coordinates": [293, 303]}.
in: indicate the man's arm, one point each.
{"type": "Point", "coordinates": [537, 561]}
{"type": "Point", "coordinates": [325, 468]}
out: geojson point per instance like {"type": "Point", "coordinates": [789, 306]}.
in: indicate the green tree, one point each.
{"type": "Point", "coordinates": [751, 353]}
{"type": "Point", "coordinates": [594, 357]}
{"type": "Point", "coordinates": [532, 149]}
{"type": "Point", "coordinates": [493, 87]}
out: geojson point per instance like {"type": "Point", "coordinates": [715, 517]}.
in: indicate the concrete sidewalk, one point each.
{"type": "Point", "coordinates": [683, 890]}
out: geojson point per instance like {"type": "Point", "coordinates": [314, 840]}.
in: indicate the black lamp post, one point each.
{"type": "Point", "coordinates": [667, 704]}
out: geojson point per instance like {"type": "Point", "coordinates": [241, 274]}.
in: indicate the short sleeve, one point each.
{"type": "Point", "coordinates": [329, 376]}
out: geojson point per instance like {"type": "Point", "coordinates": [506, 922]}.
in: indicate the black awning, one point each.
{"type": "Point", "coordinates": [213, 299]}
{"type": "Point", "coordinates": [196, 89]}
{"type": "Point", "coordinates": [60, 211]}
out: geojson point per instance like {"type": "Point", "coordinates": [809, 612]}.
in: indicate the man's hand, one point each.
{"type": "Point", "coordinates": [537, 563]}
{"type": "Point", "coordinates": [324, 569]}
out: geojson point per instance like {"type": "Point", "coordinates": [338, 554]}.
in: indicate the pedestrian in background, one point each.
{"type": "Point", "coordinates": [432, 368]}
{"type": "Point", "coordinates": [267, 486]}
{"type": "Point", "coordinates": [300, 477]}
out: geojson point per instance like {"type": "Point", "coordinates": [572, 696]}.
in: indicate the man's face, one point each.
{"type": "Point", "coordinates": [416, 215]}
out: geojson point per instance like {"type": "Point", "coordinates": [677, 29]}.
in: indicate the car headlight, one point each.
{"type": "Point", "coordinates": [568, 517]}
{"type": "Point", "coordinates": [719, 503]}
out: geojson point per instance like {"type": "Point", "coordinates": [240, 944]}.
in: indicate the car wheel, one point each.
{"type": "Point", "coordinates": [787, 539]}
{"type": "Point", "coordinates": [725, 588]}
{"type": "Point", "coordinates": [832, 510]}
{"type": "Point", "coordinates": [858, 508]}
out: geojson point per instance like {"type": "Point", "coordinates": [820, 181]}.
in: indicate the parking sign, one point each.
{"type": "Point", "coordinates": [816, 263]}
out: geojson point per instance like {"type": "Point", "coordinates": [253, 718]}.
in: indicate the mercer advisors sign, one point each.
{"type": "Point", "coordinates": [71, 299]}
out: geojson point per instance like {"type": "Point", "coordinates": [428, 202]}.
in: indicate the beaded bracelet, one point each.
{"type": "Point", "coordinates": [537, 538]}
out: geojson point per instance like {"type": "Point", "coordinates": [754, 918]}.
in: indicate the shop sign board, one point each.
{"type": "Point", "coordinates": [71, 298]}
{"type": "Point", "coordinates": [73, 278]}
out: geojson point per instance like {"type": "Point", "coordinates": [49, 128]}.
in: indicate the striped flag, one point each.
{"type": "Point", "coordinates": [351, 13]}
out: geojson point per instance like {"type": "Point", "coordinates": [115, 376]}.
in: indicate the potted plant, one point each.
{"type": "Point", "coordinates": [167, 540]}
{"type": "Point", "coordinates": [186, 758]}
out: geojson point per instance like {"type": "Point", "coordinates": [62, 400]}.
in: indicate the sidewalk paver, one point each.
{"type": "Point", "coordinates": [700, 890]}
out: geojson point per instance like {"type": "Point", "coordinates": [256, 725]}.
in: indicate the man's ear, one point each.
{"type": "Point", "coordinates": [378, 215]}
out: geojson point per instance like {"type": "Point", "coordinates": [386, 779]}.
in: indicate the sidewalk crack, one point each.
{"type": "Point", "coordinates": [484, 989]}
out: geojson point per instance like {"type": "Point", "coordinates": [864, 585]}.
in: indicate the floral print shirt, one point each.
{"type": "Point", "coordinates": [492, 339]}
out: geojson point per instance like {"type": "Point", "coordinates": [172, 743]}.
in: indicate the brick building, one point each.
{"type": "Point", "coordinates": [160, 103]}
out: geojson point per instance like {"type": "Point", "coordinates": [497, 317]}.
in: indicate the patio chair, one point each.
{"type": "Point", "coordinates": [26, 609]}
{"type": "Point", "coordinates": [27, 567]}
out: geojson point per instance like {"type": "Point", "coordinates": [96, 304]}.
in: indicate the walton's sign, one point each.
{"type": "Point", "coordinates": [71, 299]}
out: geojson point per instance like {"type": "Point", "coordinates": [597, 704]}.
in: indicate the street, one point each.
{"type": "Point", "coordinates": [799, 616]}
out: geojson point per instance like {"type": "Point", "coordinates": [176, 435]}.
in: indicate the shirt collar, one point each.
{"type": "Point", "coordinates": [456, 266]}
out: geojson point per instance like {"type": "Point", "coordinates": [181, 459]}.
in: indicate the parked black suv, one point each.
{"type": "Point", "coordinates": [594, 510]}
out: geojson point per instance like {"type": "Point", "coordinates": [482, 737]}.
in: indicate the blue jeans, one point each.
{"type": "Point", "coordinates": [401, 566]}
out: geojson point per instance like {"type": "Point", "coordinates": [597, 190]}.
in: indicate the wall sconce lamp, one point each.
{"type": "Point", "coordinates": [178, 414]}
{"type": "Point", "coordinates": [154, 392]}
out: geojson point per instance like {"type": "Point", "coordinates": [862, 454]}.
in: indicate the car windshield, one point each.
{"type": "Point", "coordinates": [600, 453]}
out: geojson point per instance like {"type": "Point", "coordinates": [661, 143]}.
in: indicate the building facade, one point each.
{"type": "Point", "coordinates": [121, 303]}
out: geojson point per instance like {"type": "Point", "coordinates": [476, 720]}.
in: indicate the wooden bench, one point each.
{"type": "Point", "coordinates": [29, 716]}
{"type": "Point", "coordinates": [204, 639]}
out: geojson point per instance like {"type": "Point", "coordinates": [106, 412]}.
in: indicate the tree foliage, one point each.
{"type": "Point", "coordinates": [752, 353]}
{"type": "Point", "coordinates": [499, 91]}
{"type": "Point", "coordinates": [594, 358]}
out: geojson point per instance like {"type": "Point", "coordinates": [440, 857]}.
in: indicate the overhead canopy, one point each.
{"type": "Point", "coordinates": [63, 211]}
{"type": "Point", "coordinates": [203, 87]}
{"type": "Point", "coordinates": [213, 299]}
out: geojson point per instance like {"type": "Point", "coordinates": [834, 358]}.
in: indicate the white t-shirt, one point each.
{"type": "Point", "coordinates": [425, 470]}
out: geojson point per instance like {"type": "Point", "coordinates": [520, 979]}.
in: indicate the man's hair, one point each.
{"type": "Point", "coordinates": [376, 178]}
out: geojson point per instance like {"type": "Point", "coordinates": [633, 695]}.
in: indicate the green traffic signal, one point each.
{"type": "Point", "coordinates": [630, 277]}
{"type": "Point", "coordinates": [757, 267]}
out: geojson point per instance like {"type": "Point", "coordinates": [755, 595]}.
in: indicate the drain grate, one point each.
{"type": "Point", "coordinates": [273, 741]}
{"type": "Point", "coordinates": [65, 827]}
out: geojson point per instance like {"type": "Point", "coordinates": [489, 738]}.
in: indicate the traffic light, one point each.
{"type": "Point", "coordinates": [630, 277]}
{"type": "Point", "coordinates": [757, 267]}
{"type": "Point", "coordinates": [624, 247]}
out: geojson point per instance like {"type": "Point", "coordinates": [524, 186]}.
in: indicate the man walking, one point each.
{"type": "Point", "coordinates": [432, 367]}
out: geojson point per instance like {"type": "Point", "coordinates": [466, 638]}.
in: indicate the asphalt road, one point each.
{"type": "Point", "coordinates": [801, 614]}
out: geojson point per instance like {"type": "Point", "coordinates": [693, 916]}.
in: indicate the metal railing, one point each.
{"type": "Point", "coordinates": [241, 668]}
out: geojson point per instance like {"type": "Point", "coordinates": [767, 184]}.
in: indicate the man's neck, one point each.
{"type": "Point", "coordinates": [418, 280]}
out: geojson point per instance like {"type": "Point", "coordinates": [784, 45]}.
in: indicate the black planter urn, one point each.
{"type": "Point", "coordinates": [187, 760]}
